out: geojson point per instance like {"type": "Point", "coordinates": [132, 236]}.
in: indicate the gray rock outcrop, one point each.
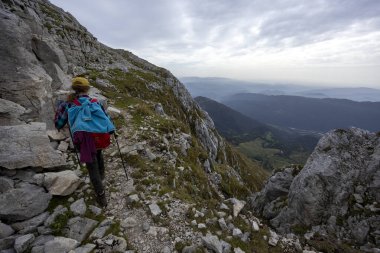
{"type": "Point", "coordinates": [23, 203]}
{"type": "Point", "coordinates": [344, 169]}
{"type": "Point", "coordinates": [27, 146]}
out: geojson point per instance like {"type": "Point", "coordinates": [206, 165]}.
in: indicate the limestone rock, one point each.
{"type": "Point", "coordinates": [255, 226]}
{"type": "Point", "coordinates": [237, 206]}
{"type": "Point", "coordinates": [159, 109]}
{"type": "Point", "coordinates": [54, 135]}
{"type": "Point", "coordinates": [61, 183]}
{"type": "Point", "coordinates": [27, 145]}
{"type": "Point", "coordinates": [7, 242]}
{"type": "Point", "coordinates": [223, 224]}
{"type": "Point", "coordinates": [6, 184]}
{"type": "Point", "coordinates": [95, 210]}
{"type": "Point", "coordinates": [30, 224]}
{"type": "Point", "coordinates": [275, 190]}
{"type": "Point", "coordinates": [5, 230]}
{"type": "Point", "coordinates": [78, 228]}
{"type": "Point", "coordinates": [113, 112]}
{"type": "Point", "coordinates": [190, 249]}
{"type": "Point", "coordinates": [236, 232]}
{"type": "Point", "coordinates": [63, 146]}
{"type": "Point", "coordinates": [22, 243]}
{"type": "Point", "coordinates": [78, 207]}
{"type": "Point", "coordinates": [155, 209]}
{"type": "Point", "coordinates": [212, 242]}
{"type": "Point", "coordinates": [133, 198]}
{"type": "Point", "coordinates": [89, 247]}
{"type": "Point", "coordinates": [273, 238]}
{"type": "Point", "coordinates": [129, 222]}
{"type": "Point", "coordinates": [60, 244]}
{"type": "Point", "coordinates": [238, 250]}
{"type": "Point", "coordinates": [23, 203]}
{"type": "Point", "coordinates": [42, 240]}
{"type": "Point", "coordinates": [10, 113]}
{"type": "Point", "coordinates": [343, 168]}
{"type": "Point", "coordinates": [112, 244]}
{"type": "Point", "coordinates": [101, 230]}
{"type": "Point", "coordinates": [57, 211]}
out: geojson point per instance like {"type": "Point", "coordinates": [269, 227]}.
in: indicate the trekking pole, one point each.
{"type": "Point", "coordinates": [121, 157]}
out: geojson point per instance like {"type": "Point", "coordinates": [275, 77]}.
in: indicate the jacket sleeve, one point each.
{"type": "Point", "coordinates": [61, 116]}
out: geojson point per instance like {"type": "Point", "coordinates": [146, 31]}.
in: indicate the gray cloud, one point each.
{"type": "Point", "coordinates": [142, 23]}
{"type": "Point", "coordinates": [224, 28]}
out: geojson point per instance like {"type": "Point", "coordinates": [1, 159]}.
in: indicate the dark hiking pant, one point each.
{"type": "Point", "coordinates": [96, 172]}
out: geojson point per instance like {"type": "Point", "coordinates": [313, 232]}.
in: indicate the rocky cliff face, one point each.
{"type": "Point", "coordinates": [184, 177]}
{"type": "Point", "coordinates": [336, 194]}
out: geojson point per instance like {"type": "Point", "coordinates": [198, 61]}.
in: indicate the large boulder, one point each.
{"type": "Point", "coordinates": [23, 203]}
{"type": "Point", "coordinates": [27, 146]}
{"type": "Point", "coordinates": [10, 113]}
{"type": "Point", "coordinates": [61, 183]}
{"type": "Point", "coordinates": [269, 201]}
{"type": "Point", "coordinates": [60, 244]}
{"type": "Point", "coordinates": [78, 228]}
{"type": "Point", "coordinates": [338, 186]}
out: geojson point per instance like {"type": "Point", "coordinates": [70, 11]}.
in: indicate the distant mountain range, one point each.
{"type": "Point", "coordinates": [219, 88]}
{"type": "Point", "coordinates": [274, 146]}
{"type": "Point", "coordinates": [307, 113]}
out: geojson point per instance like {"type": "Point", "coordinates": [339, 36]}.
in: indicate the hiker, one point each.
{"type": "Point", "coordinates": [90, 129]}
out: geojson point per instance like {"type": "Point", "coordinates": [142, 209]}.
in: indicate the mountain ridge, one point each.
{"type": "Point", "coordinates": [307, 113]}
{"type": "Point", "coordinates": [206, 86]}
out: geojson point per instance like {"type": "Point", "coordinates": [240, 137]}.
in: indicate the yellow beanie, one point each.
{"type": "Point", "coordinates": [80, 82]}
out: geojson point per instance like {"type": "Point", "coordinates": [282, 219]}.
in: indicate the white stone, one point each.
{"type": "Point", "coordinates": [273, 238]}
{"type": "Point", "coordinates": [255, 226]}
{"type": "Point", "coordinates": [155, 209]}
{"type": "Point", "coordinates": [63, 146]}
{"type": "Point", "coordinates": [95, 210]}
{"type": "Point", "coordinates": [236, 232]}
{"type": "Point", "coordinates": [238, 250]}
{"type": "Point", "coordinates": [60, 244]}
{"type": "Point", "coordinates": [223, 224]}
{"type": "Point", "coordinates": [224, 206]}
{"type": "Point", "coordinates": [201, 225]}
{"type": "Point", "coordinates": [61, 183]}
{"type": "Point", "coordinates": [133, 198]}
{"type": "Point", "coordinates": [78, 207]}
{"type": "Point", "coordinates": [55, 135]}
{"type": "Point", "coordinates": [237, 206]}
{"type": "Point", "coordinates": [129, 222]}
{"type": "Point", "coordinates": [212, 242]}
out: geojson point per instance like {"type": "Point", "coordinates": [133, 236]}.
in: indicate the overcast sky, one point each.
{"type": "Point", "coordinates": [322, 41]}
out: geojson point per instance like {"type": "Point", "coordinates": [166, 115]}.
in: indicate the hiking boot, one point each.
{"type": "Point", "coordinates": [101, 199]}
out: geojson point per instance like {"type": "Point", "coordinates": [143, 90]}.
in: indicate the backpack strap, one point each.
{"type": "Point", "coordinates": [76, 102]}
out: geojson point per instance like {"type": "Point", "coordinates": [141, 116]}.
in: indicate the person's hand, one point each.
{"type": "Point", "coordinates": [115, 133]}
